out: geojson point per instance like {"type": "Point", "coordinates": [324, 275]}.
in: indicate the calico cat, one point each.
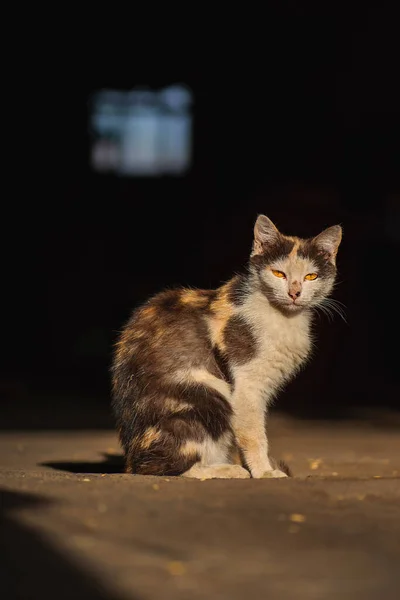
{"type": "Point", "coordinates": [194, 371]}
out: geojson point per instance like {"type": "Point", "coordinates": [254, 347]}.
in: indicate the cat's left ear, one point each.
{"type": "Point", "coordinates": [328, 242]}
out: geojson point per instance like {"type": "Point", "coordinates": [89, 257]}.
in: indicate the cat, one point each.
{"type": "Point", "coordinates": [194, 371]}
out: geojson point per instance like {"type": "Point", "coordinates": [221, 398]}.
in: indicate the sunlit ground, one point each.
{"type": "Point", "coordinates": [332, 531]}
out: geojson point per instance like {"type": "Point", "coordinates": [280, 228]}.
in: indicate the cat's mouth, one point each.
{"type": "Point", "coordinates": [293, 305]}
{"type": "Point", "coordinates": [289, 306]}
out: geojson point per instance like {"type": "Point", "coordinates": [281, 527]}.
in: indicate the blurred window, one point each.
{"type": "Point", "coordinates": [141, 132]}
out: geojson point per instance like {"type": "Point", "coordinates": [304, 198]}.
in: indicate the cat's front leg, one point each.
{"type": "Point", "coordinates": [250, 432]}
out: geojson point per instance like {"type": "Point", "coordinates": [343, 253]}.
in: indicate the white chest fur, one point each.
{"type": "Point", "coordinates": [283, 344]}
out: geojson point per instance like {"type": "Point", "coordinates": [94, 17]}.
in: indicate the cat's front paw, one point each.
{"type": "Point", "coordinates": [273, 474]}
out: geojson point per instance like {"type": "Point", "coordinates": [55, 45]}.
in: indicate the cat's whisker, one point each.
{"type": "Point", "coordinates": [334, 307]}
{"type": "Point", "coordinates": [324, 310]}
{"type": "Point", "coordinates": [335, 301]}
{"type": "Point", "coordinates": [329, 313]}
{"type": "Point", "coordinates": [338, 309]}
{"type": "Point", "coordinates": [327, 305]}
{"type": "Point", "coordinates": [339, 282]}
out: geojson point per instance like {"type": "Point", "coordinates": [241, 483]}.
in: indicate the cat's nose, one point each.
{"type": "Point", "coordinates": [294, 295]}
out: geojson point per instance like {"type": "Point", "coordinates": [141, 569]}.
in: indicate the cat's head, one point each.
{"type": "Point", "coordinates": [294, 273]}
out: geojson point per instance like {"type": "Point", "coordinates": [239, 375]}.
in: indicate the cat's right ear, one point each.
{"type": "Point", "coordinates": [265, 234]}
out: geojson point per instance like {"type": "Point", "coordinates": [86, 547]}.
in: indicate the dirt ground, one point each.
{"type": "Point", "coordinates": [74, 526]}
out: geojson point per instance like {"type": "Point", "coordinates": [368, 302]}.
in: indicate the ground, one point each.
{"type": "Point", "coordinates": [74, 526]}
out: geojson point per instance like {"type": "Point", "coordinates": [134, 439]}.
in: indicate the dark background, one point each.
{"type": "Point", "coordinates": [301, 124]}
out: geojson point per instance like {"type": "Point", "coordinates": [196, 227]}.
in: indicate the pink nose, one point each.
{"type": "Point", "coordinates": [294, 295]}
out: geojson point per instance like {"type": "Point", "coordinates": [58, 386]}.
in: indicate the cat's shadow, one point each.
{"type": "Point", "coordinates": [111, 464]}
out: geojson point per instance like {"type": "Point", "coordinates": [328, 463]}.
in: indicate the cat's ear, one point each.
{"type": "Point", "coordinates": [265, 234]}
{"type": "Point", "coordinates": [328, 242]}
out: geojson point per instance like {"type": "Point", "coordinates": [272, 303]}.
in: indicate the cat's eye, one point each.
{"type": "Point", "coordinates": [279, 273]}
{"type": "Point", "coordinates": [311, 276]}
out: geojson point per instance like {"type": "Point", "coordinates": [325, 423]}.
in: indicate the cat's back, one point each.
{"type": "Point", "coordinates": [168, 331]}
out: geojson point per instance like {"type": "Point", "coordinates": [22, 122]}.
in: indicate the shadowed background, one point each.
{"type": "Point", "coordinates": [304, 127]}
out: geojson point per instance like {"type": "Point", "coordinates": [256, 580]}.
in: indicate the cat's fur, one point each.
{"type": "Point", "coordinates": [195, 370]}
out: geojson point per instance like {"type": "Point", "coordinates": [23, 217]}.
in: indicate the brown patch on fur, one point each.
{"type": "Point", "coordinates": [148, 312]}
{"type": "Point", "coordinates": [221, 311]}
{"type": "Point", "coordinates": [237, 290]}
{"type": "Point", "coordinates": [195, 298]}
{"type": "Point", "coordinates": [220, 304]}
{"type": "Point", "coordinates": [190, 448]}
{"type": "Point", "coordinates": [235, 456]}
{"type": "Point", "coordinates": [175, 406]}
{"type": "Point", "coordinates": [150, 436]}
{"type": "Point", "coordinates": [281, 248]}
{"type": "Point", "coordinates": [296, 243]}
{"type": "Point", "coordinates": [140, 333]}
{"type": "Point", "coordinates": [240, 343]}
{"type": "Point", "coordinates": [224, 368]}
{"type": "Point", "coordinates": [120, 348]}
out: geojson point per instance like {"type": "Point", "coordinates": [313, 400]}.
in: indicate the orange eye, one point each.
{"type": "Point", "coordinates": [311, 276]}
{"type": "Point", "coordinates": [278, 273]}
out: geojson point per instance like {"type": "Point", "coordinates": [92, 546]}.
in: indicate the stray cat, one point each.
{"type": "Point", "coordinates": [194, 371]}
